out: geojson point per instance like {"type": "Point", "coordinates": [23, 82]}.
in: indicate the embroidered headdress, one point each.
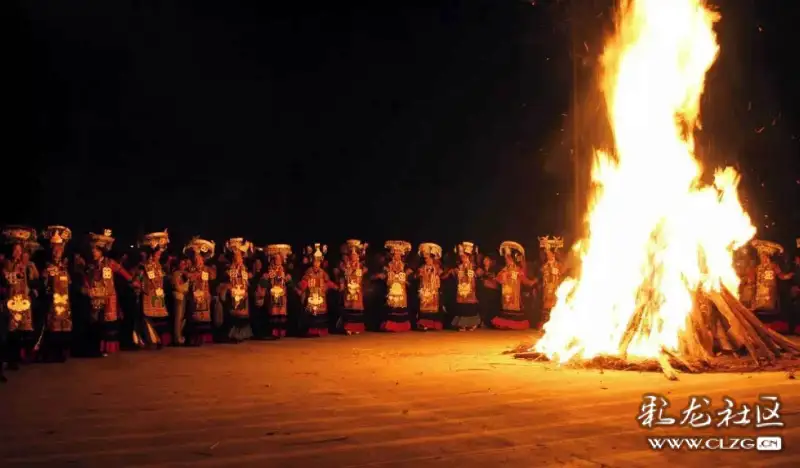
{"type": "Point", "coordinates": [155, 240]}
{"type": "Point", "coordinates": [21, 235]}
{"type": "Point", "coordinates": [551, 243]}
{"type": "Point", "coordinates": [102, 241]}
{"type": "Point", "coordinates": [202, 247]}
{"type": "Point", "coordinates": [281, 250]}
{"type": "Point", "coordinates": [355, 245]}
{"type": "Point", "coordinates": [514, 249]}
{"type": "Point", "coordinates": [396, 246]}
{"type": "Point", "coordinates": [238, 243]}
{"type": "Point", "coordinates": [57, 234]}
{"type": "Point", "coordinates": [767, 247]}
{"type": "Point", "coordinates": [429, 249]}
{"type": "Point", "coordinates": [316, 252]}
{"type": "Point", "coordinates": [467, 248]}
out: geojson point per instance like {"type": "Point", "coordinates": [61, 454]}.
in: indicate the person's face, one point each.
{"type": "Point", "coordinates": [58, 251]}
{"type": "Point", "coordinates": [464, 258]}
{"type": "Point", "coordinates": [198, 260]}
{"type": "Point", "coordinates": [97, 254]}
{"type": "Point", "coordinates": [396, 256]}
{"type": "Point", "coordinates": [764, 258]}
{"type": "Point", "coordinates": [183, 264]}
{"type": "Point", "coordinates": [317, 263]}
{"type": "Point", "coordinates": [429, 260]}
{"type": "Point", "coordinates": [257, 265]}
{"type": "Point", "coordinates": [353, 256]}
{"type": "Point", "coordinates": [26, 256]}
{"type": "Point", "coordinates": [157, 255]}
{"type": "Point", "coordinates": [550, 255]}
{"type": "Point", "coordinates": [237, 256]}
{"type": "Point", "coordinates": [509, 260]}
{"type": "Point", "coordinates": [16, 252]}
{"type": "Point", "coordinates": [487, 262]}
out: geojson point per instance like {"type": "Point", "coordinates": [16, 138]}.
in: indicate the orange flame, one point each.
{"type": "Point", "coordinates": [657, 235]}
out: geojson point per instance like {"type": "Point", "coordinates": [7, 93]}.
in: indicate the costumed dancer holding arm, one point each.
{"type": "Point", "coordinates": [766, 302]}
{"type": "Point", "coordinates": [274, 285]}
{"type": "Point", "coordinates": [395, 274]}
{"type": "Point", "coordinates": [58, 320]}
{"type": "Point", "coordinates": [233, 291]}
{"type": "Point", "coordinates": [99, 286]}
{"type": "Point", "coordinates": [156, 326]}
{"type": "Point", "coordinates": [313, 290]}
{"type": "Point", "coordinates": [511, 279]}
{"type": "Point", "coordinates": [429, 276]}
{"type": "Point", "coordinates": [466, 309]}
{"type": "Point", "coordinates": [352, 272]}
{"type": "Point", "coordinates": [18, 293]}
{"type": "Point", "coordinates": [552, 274]}
{"type": "Point", "coordinates": [198, 297]}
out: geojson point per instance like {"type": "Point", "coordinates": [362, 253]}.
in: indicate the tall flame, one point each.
{"type": "Point", "coordinates": [657, 235]}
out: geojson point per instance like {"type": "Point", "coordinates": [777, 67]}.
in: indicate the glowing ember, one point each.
{"type": "Point", "coordinates": [657, 235]}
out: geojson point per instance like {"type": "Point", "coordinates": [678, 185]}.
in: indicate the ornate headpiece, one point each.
{"type": "Point", "coordinates": [551, 243]}
{"type": "Point", "coordinates": [512, 248]}
{"type": "Point", "coordinates": [465, 247]}
{"type": "Point", "coordinates": [22, 235]}
{"type": "Point", "coordinates": [401, 247]}
{"type": "Point", "coordinates": [155, 240]}
{"type": "Point", "coordinates": [316, 252]}
{"type": "Point", "coordinates": [201, 247]}
{"type": "Point", "coordinates": [355, 245]}
{"type": "Point", "coordinates": [284, 250]}
{"type": "Point", "coordinates": [767, 247]}
{"type": "Point", "coordinates": [238, 243]}
{"type": "Point", "coordinates": [102, 241]}
{"type": "Point", "coordinates": [57, 234]}
{"type": "Point", "coordinates": [427, 249]}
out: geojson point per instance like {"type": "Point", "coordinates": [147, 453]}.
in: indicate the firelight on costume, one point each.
{"type": "Point", "coordinates": [766, 302]}
{"type": "Point", "coordinates": [18, 294]}
{"type": "Point", "coordinates": [274, 286]}
{"type": "Point", "coordinates": [742, 263]}
{"type": "Point", "coordinates": [552, 274]}
{"type": "Point", "coordinates": [395, 274]}
{"type": "Point", "coordinates": [511, 279]}
{"type": "Point", "coordinates": [58, 321]}
{"type": "Point", "coordinates": [429, 276]}
{"type": "Point", "coordinates": [155, 329]}
{"type": "Point", "coordinates": [234, 291]}
{"type": "Point", "coordinates": [99, 286]}
{"type": "Point", "coordinates": [313, 290]}
{"type": "Point", "coordinates": [466, 308]}
{"type": "Point", "coordinates": [198, 294]}
{"type": "Point", "coordinates": [351, 285]}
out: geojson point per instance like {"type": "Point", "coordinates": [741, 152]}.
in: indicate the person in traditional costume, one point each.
{"type": "Point", "coordinates": [58, 319]}
{"type": "Point", "coordinates": [466, 313]}
{"type": "Point", "coordinates": [743, 264]}
{"type": "Point", "coordinates": [794, 290]}
{"type": "Point", "coordinates": [233, 292]}
{"type": "Point", "coordinates": [259, 314]}
{"type": "Point", "coordinates": [273, 286]}
{"type": "Point", "coordinates": [395, 274]}
{"type": "Point", "coordinates": [18, 293]}
{"type": "Point", "coordinates": [488, 290]}
{"type": "Point", "coordinates": [179, 280]}
{"type": "Point", "coordinates": [511, 279]}
{"type": "Point", "coordinates": [552, 274]}
{"type": "Point", "coordinates": [351, 274]}
{"type": "Point", "coordinates": [766, 302]}
{"type": "Point", "coordinates": [313, 289]}
{"type": "Point", "coordinates": [197, 297]}
{"type": "Point", "coordinates": [155, 327]}
{"type": "Point", "coordinates": [99, 286]}
{"type": "Point", "coordinates": [429, 276]}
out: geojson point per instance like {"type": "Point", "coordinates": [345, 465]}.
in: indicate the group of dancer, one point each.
{"type": "Point", "coordinates": [197, 298]}
{"type": "Point", "coordinates": [97, 304]}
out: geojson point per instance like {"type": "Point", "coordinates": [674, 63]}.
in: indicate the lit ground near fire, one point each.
{"type": "Point", "coordinates": [442, 399]}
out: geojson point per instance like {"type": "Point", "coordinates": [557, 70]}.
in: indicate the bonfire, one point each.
{"type": "Point", "coordinates": [657, 287]}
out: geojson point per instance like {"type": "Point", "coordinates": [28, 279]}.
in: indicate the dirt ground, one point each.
{"type": "Point", "coordinates": [415, 399]}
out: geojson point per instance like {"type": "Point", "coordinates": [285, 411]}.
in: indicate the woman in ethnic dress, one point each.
{"type": "Point", "coordinates": [395, 274]}
{"type": "Point", "coordinates": [198, 295]}
{"type": "Point", "coordinates": [58, 320]}
{"type": "Point", "coordinates": [488, 290]}
{"type": "Point", "coordinates": [511, 279]}
{"type": "Point", "coordinates": [466, 313]}
{"type": "Point", "coordinates": [429, 276]}
{"type": "Point", "coordinates": [234, 292]}
{"type": "Point", "coordinates": [351, 274]}
{"type": "Point", "coordinates": [99, 286]}
{"type": "Point", "coordinates": [19, 293]}
{"type": "Point", "coordinates": [313, 290]}
{"type": "Point", "coordinates": [766, 302]}
{"type": "Point", "coordinates": [552, 273]}
{"type": "Point", "coordinates": [157, 328]}
{"type": "Point", "coordinates": [273, 287]}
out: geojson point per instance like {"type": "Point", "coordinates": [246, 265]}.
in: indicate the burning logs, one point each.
{"type": "Point", "coordinates": [721, 335]}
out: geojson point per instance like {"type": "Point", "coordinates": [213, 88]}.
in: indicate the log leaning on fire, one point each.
{"type": "Point", "coordinates": [724, 337]}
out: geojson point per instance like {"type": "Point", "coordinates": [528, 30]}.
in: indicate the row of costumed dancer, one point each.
{"type": "Point", "coordinates": [195, 301]}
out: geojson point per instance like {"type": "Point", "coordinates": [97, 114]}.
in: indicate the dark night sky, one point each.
{"type": "Point", "coordinates": [441, 122]}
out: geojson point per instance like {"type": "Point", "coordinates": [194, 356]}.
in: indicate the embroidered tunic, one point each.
{"type": "Point", "coordinates": [551, 277]}
{"type": "Point", "coordinates": [429, 284]}
{"type": "Point", "coordinates": [465, 288]}
{"type": "Point", "coordinates": [154, 304]}
{"type": "Point", "coordinates": [100, 286]}
{"type": "Point", "coordinates": [276, 284]}
{"type": "Point", "coordinates": [16, 278]}
{"type": "Point", "coordinates": [237, 279]}
{"type": "Point", "coordinates": [315, 286]}
{"type": "Point", "coordinates": [57, 283]}
{"type": "Point", "coordinates": [510, 279]}
{"type": "Point", "coordinates": [766, 297]}
{"type": "Point", "coordinates": [352, 282]}
{"type": "Point", "coordinates": [200, 293]}
{"type": "Point", "coordinates": [396, 282]}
